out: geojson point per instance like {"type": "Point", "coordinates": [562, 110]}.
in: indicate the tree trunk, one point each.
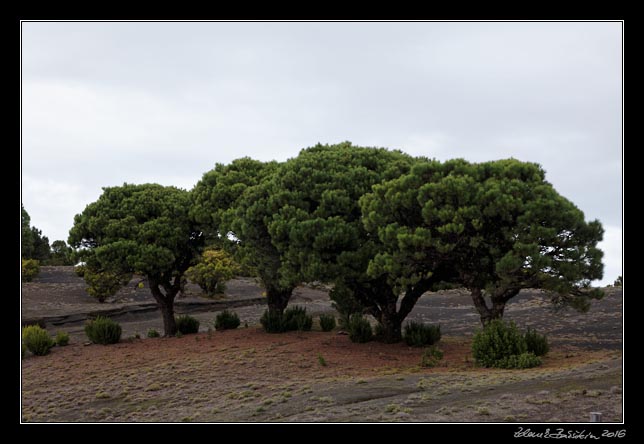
{"type": "Point", "coordinates": [391, 324]}
{"type": "Point", "coordinates": [165, 302]}
{"type": "Point", "coordinates": [277, 298]}
{"type": "Point", "coordinates": [487, 313]}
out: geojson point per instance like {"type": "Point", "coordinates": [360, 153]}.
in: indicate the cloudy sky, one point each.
{"type": "Point", "coordinates": [108, 103]}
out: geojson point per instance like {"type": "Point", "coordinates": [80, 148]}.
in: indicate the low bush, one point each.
{"type": "Point", "coordinates": [62, 339]}
{"type": "Point", "coordinates": [30, 269]}
{"type": "Point", "coordinates": [431, 357]}
{"type": "Point", "coordinates": [417, 334]}
{"type": "Point", "coordinates": [227, 320]}
{"type": "Point", "coordinates": [37, 340]}
{"type": "Point", "coordinates": [272, 321]}
{"type": "Point", "coordinates": [501, 345]}
{"type": "Point", "coordinates": [295, 318]}
{"type": "Point", "coordinates": [80, 270]}
{"type": "Point", "coordinates": [327, 322]}
{"type": "Point", "coordinates": [359, 329]}
{"type": "Point", "coordinates": [536, 343]}
{"type": "Point", "coordinates": [187, 324]}
{"type": "Point", "coordinates": [103, 330]}
{"type": "Point", "coordinates": [152, 333]}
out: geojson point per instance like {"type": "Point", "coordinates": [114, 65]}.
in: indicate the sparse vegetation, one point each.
{"type": "Point", "coordinates": [293, 318]}
{"type": "Point", "coordinates": [103, 331]}
{"type": "Point", "coordinates": [431, 357]}
{"type": "Point", "coordinates": [186, 324]}
{"type": "Point", "coordinates": [227, 320]}
{"type": "Point", "coordinates": [37, 340]}
{"type": "Point", "coordinates": [419, 335]}
{"type": "Point", "coordinates": [327, 322]}
{"type": "Point", "coordinates": [321, 360]}
{"type": "Point", "coordinates": [152, 333]}
{"type": "Point", "coordinates": [62, 338]}
{"type": "Point", "coordinates": [359, 329]}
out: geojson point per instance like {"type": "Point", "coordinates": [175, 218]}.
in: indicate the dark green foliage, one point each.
{"type": "Point", "coordinates": [226, 320]}
{"type": "Point", "coordinates": [536, 343]}
{"type": "Point", "coordinates": [37, 340]}
{"type": "Point", "coordinates": [61, 254]}
{"type": "Point", "coordinates": [345, 304]}
{"type": "Point", "coordinates": [500, 344]}
{"type": "Point", "coordinates": [618, 282]}
{"type": "Point", "coordinates": [62, 339]}
{"type": "Point", "coordinates": [359, 329]}
{"type": "Point", "coordinates": [497, 226]}
{"type": "Point", "coordinates": [152, 333]}
{"type": "Point", "coordinates": [327, 322]}
{"type": "Point", "coordinates": [103, 330]}
{"type": "Point", "coordinates": [321, 360]}
{"type": "Point", "coordinates": [30, 269]}
{"type": "Point", "coordinates": [26, 236]}
{"type": "Point", "coordinates": [186, 324]}
{"type": "Point", "coordinates": [295, 318]}
{"type": "Point", "coordinates": [431, 357]}
{"type": "Point", "coordinates": [419, 335]}
{"type": "Point", "coordinates": [273, 321]}
{"type": "Point", "coordinates": [143, 229]}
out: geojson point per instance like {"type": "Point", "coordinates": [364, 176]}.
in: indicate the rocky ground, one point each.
{"type": "Point", "coordinates": [247, 375]}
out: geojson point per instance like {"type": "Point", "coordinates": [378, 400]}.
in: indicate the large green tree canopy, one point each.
{"type": "Point", "coordinates": [500, 226]}
{"type": "Point", "coordinates": [142, 229]}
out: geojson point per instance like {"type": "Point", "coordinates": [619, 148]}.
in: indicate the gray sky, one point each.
{"type": "Point", "coordinates": [107, 103]}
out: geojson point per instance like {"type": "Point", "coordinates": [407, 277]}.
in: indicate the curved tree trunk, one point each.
{"type": "Point", "coordinates": [489, 313]}
{"type": "Point", "coordinates": [391, 324]}
{"type": "Point", "coordinates": [165, 302]}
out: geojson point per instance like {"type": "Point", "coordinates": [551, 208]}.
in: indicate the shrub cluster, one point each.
{"type": "Point", "coordinates": [226, 320]}
{"type": "Point", "coordinates": [37, 340]}
{"type": "Point", "coordinates": [431, 357]}
{"type": "Point", "coordinates": [359, 329]}
{"type": "Point", "coordinates": [502, 345]}
{"type": "Point", "coordinates": [30, 269]}
{"type": "Point", "coordinates": [327, 322]}
{"type": "Point", "coordinates": [80, 270]}
{"type": "Point", "coordinates": [293, 318]}
{"type": "Point", "coordinates": [212, 271]}
{"type": "Point", "coordinates": [187, 324]}
{"type": "Point", "coordinates": [417, 334]}
{"type": "Point", "coordinates": [62, 339]}
{"type": "Point", "coordinates": [103, 330]}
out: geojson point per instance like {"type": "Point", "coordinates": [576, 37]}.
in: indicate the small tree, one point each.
{"type": "Point", "coordinates": [618, 282]}
{"type": "Point", "coordinates": [213, 270]}
{"type": "Point", "coordinates": [30, 269]}
{"type": "Point", "coordinates": [61, 254]}
{"type": "Point", "coordinates": [144, 229]}
{"type": "Point", "coordinates": [103, 284]}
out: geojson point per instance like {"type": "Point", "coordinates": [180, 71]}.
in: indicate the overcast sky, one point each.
{"type": "Point", "coordinates": [108, 103]}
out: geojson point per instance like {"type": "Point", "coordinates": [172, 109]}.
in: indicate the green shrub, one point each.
{"type": "Point", "coordinates": [37, 340]}
{"type": "Point", "coordinates": [327, 322]}
{"type": "Point", "coordinates": [103, 284]}
{"type": "Point", "coordinates": [295, 318]}
{"type": "Point", "coordinates": [417, 334]}
{"type": "Point", "coordinates": [62, 339]}
{"type": "Point", "coordinates": [501, 345]}
{"type": "Point", "coordinates": [536, 343]}
{"type": "Point", "coordinates": [619, 282]}
{"type": "Point", "coordinates": [212, 271]}
{"type": "Point", "coordinates": [103, 330]}
{"type": "Point", "coordinates": [187, 324]}
{"type": "Point", "coordinates": [152, 333]}
{"type": "Point", "coordinates": [227, 320]}
{"type": "Point", "coordinates": [524, 360]}
{"type": "Point", "coordinates": [359, 329]}
{"type": "Point", "coordinates": [80, 270]}
{"type": "Point", "coordinates": [431, 357]}
{"type": "Point", "coordinates": [30, 269]}
{"type": "Point", "coordinates": [272, 321]}
{"type": "Point", "coordinates": [345, 304]}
